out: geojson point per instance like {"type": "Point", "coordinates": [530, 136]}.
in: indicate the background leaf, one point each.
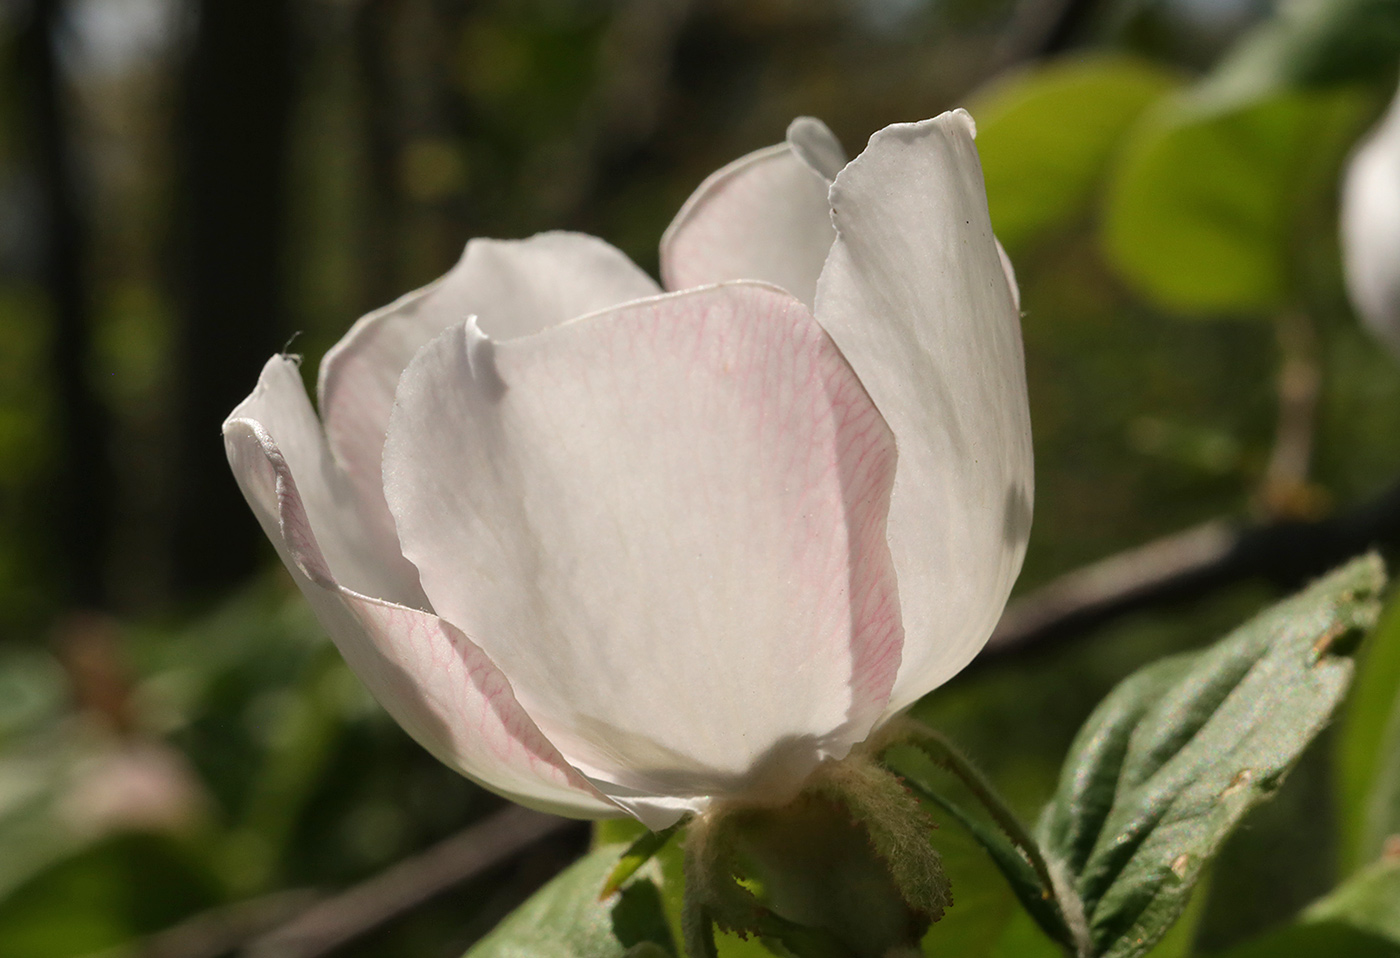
{"type": "Point", "coordinates": [1045, 136]}
{"type": "Point", "coordinates": [1175, 756]}
{"type": "Point", "coordinates": [1361, 919]}
{"type": "Point", "coordinates": [1311, 43]}
{"type": "Point", "coordinates": [124, 886]}
{"type": "Point", "coordinates": [1202, 211]}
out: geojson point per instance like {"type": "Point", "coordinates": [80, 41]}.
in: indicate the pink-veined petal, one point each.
{"type": "Point", "coordinates": [763, 217]}
{"type": "Point", "coordinates": [666, 524]}
{"type": "Point", "coordinates": [358, 551]}
{"type": "Point", "coordinates": [916, 295]}
{"type": "Point", "coordinates": [513, 287]}
{"type": "Point", "coordinates": [444, 691]}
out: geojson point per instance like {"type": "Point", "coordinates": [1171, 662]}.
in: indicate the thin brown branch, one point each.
{"type": "Point", "coordinates": [408, 884]}
{"type": "Point", "coordinates": [1191, 564]}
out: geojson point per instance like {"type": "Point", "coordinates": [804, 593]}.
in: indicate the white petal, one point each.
{"type": "Point", "coordinates": [666, 524]}
{"type": "Point", "coordinates": [513, 287]}
{"type": "Point", "coordinates": [1010, 272]}
{"type": "Point", "coordinates": [1370, 229]}
{"type": "Point", "coordinates": [361, 553]}
{"type": "Point", "coordinates": [441, 688]}
{"type": "Point", "coordinates": [816, 146]}
{"type": "Point", "coordinates": [916, 296]}
{"type": "Point", "coordinates": [765, 217]}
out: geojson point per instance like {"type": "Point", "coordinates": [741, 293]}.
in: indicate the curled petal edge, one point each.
{"type": "Point", "coordinates": [436, 683]}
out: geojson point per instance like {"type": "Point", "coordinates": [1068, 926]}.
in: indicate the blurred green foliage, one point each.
{"type": "Point", "coordinates": [165, 758]}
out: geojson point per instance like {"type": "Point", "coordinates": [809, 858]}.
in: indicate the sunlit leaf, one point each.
{"type": "Point", "coordinates": [1045, 136]}
{"type": "Point", "coordinates": [637, 854]}
{"type": "Point", "coordinates": [1175, 756]}
{"type": "Point", "coordinates": [1204, 207]}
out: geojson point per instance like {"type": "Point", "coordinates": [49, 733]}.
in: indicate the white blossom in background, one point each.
{"type": "Point", "coordinates": [1370, 229]}
{"type": "Point", "coordinates": [608, 549]}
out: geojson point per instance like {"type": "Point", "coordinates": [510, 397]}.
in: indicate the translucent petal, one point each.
{"type": "Point", "coordinates": [764, 217]}
{"type": "Point", "coordinates": [916, 295]}
{"type": "Point", "coordinates": [361, 553]}
{"type": "Point", "coordinates": [513, 287]}
{"type": "Point", "coordinates": [439, 686]}
{"type": "Point", "coordinates": [666, 524]}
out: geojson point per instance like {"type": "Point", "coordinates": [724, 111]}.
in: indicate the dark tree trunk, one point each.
{"type": "Point", "coordinates": [375, 23]}
{"type": "Point", "coordinates": [237, 99]}
{"type": "Point", "coordinates": [82, 492]}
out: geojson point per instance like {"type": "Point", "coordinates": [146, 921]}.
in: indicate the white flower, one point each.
{"type": "Point", "coordinates": [606, 549]}
{"type": "Point", "coordinates": [1370, 230]}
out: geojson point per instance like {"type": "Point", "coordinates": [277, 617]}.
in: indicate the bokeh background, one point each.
{"type": "Point", "coordinates": [189, 187]}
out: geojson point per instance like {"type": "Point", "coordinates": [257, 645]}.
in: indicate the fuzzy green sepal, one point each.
{"type": "Point", "coordinates": [844, 871]}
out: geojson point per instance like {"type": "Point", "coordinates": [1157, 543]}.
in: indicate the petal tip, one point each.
{"type": "Point", "coordinates": [966, 119]}
{"type": "Point", "coordinates": [816, 146]}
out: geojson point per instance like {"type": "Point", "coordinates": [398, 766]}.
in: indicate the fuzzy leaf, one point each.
{"type": "Point", "coordinates": [1176, 755]}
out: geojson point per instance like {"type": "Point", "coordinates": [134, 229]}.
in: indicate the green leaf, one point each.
{"type": "Point", "coordinates": [1369, 901]}
{"type": "Point", "coordinates": [103, 896]}
{"type": "Point", "coordinates": [637, 854]}
{"type": "Point", "coordinates": [1175, 756]}
{"type": "Point", "coordinates": [1311, 43]}
{"type": "Point", "coordinates": [1361, 919]}
{"type": "Point", "coordinates": [1321, 940]}
{"type": "Point", "coordinates": [565, 919]}
{"type": "Point", "coordinates": [1045, 136]}
{"type": "Point", "coordinates": [1368, 749]}
{"type": "Point", "coordinates": [1204, 208]}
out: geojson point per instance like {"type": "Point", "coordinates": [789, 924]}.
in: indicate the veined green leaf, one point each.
{"type": "Point", "coordinates": [1176, 755]}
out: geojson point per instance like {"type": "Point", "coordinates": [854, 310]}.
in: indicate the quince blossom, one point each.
{"type": "Point", "coordinates": [607, 549]}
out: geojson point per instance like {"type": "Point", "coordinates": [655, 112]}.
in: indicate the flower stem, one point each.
{"type": "Point", "coordinates": [1286, 493]}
